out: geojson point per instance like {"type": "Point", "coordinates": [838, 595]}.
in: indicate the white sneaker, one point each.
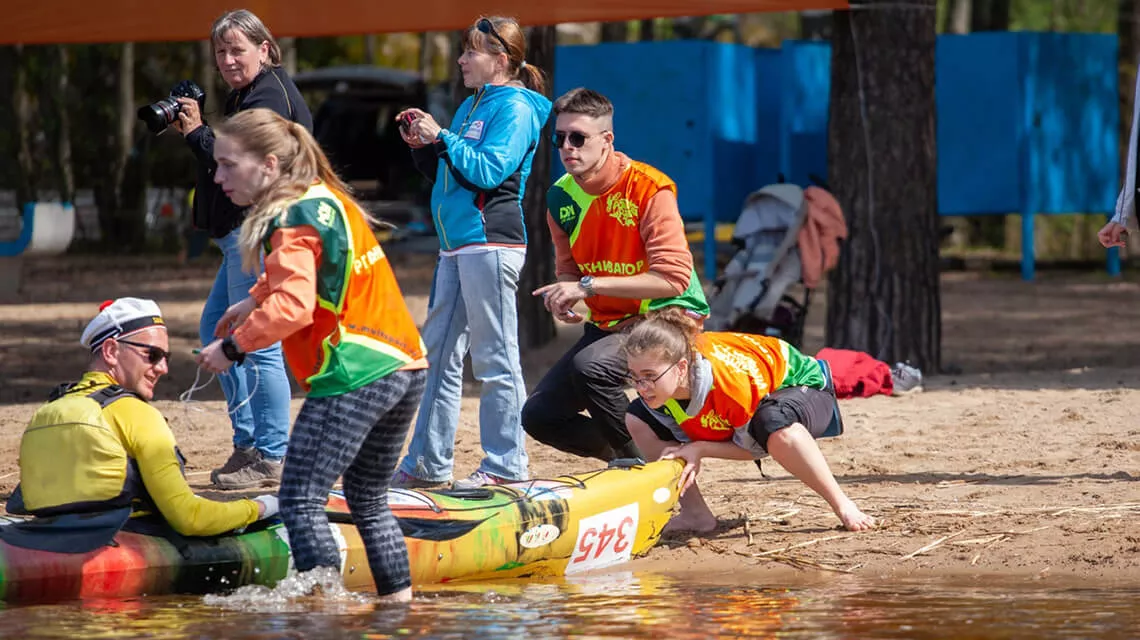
{"type": "Point", "coordinates": [907, 379]}
{"type": "Point", "coordinates": [478, 479]}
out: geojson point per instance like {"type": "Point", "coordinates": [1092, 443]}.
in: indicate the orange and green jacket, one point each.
{"type": "Point", "coordinates": [745, 368]}
{"type": "Point", "coordinates": [329, 295]}
{"type": "Point", "coordinates": [606, 236]}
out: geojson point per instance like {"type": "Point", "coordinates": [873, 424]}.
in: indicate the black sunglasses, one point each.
{"type": "Point", "coordinates": [484, 26]}
{"type": "Point", "coordinates": [154, 355]}
{"type": "Point", "coordinates": [576, 138]}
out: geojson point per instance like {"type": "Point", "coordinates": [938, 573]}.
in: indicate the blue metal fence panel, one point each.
{"type": "Point", "coordinates": [1072, 113]}
{"type": "Point", "coordinates": [1025, 121]}
{"type": "Point", "coordinates": [658, 94]}
{"type": "Point", "coordinates": [977, 97]}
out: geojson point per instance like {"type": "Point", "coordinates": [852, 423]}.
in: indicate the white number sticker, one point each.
{"type": "Point", "coordinates": [605, 539]}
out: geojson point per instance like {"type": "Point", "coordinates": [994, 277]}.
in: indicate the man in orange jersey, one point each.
{"type": "Point", "coordinates": [619, 246]}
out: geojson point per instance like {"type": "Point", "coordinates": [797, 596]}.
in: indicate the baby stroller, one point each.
{"type": "Point", "coordinates": [760, 290]}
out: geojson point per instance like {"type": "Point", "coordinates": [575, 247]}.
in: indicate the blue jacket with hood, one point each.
{"type": "Point", "coordinates": [480, 166]}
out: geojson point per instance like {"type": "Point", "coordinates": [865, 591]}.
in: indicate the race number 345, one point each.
{"type": "Point", "coordinates": [604, 539]}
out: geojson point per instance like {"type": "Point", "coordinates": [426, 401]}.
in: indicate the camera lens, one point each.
{"type": "Point", "coordinates": [159, 115]}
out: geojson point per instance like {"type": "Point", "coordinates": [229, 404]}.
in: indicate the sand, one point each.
{"type": "Point", "coordinates": [1023, 461]}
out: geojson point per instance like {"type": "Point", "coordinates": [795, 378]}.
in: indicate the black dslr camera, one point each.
{"type": "Point", "coordinates": [160, 115]}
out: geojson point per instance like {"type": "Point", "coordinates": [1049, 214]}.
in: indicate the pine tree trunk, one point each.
{"type": "Point", "coordinates": [815, 25]}
{"type": "Point", "coordinates": [371, 50]}
{"type": "Point", "coordinates": [615, 31]}
{"type": "Point", "coordinates": [426, 41]}
{"type": "Point", "coordinates": [115, 222]}
{"type": "Point", "coordinates": [22, 109]}
{"type": "Point", "coordinates": [63, 113]}
{"type": "Point", "coordinates": [458, 92]}
{"type": "Point", "coordinates": [207, 72]}
{"type": "Point", "coordinates": [990, 15]}
{"type": "Point", "coordinates": [288, 54]}
{"type": "Point", "coordinates": [536, 325]}
{"type": "Point", "coordinates": [883, 298]}
{"type": "Point", "coordinates": [958, 17]}
{"type": "Point", "coordinates": [647, 31]}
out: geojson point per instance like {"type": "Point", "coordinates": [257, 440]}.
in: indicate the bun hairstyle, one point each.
{"type": "Point", "coordinates": [669, 333]}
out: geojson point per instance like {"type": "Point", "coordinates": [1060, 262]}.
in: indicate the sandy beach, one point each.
{"type": "Point", "coordinates": [1025, 460]}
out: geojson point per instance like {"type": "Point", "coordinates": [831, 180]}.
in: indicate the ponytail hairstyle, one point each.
{"type": "Point", "coordinates": [669, 334]}
{"type": "Point", "coordinates": [512, 36]}
{"type": "Point", "coordinates": [301, 164]}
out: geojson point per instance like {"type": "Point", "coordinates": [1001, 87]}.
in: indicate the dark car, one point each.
{"type": "Point", "coordinates": [354, 122]}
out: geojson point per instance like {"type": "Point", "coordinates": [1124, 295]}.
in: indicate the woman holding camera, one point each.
{"type": "Point", "coordinates": [257, 392]}
{"type": "Point", "coordinates": [479, 167]}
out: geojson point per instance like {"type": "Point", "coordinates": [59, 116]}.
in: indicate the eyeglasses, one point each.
{"type": "Point", "coordinates": [484, 26]}
{"type": "Point", "coordinates": [646, 383]}
{"type": "Point", "coordinates": [576, 138]}
{"type": "Point", "coordinates": [154, 355]}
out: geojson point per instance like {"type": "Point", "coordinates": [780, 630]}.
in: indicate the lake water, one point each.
{"type": "Point", "coordinates": [621, 604]}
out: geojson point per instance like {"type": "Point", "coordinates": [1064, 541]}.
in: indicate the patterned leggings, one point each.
{"type": "Point", "coordinates": [359, 435]}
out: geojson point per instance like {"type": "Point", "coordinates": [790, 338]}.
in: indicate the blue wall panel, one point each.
{"type": "Point", "coordinates": [803, 120]}
{"type": "Point", "coordinates": [1013, 110]}
{"type": "Point", "coordinates": [1073, 117]}
{"type": "Point", "coordinates": [658, 95]}
{"type": "Point", "coordinates": [977, 93]}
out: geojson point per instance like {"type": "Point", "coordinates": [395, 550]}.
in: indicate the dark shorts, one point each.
{"type": "Point", "coordinates": [813, 408]}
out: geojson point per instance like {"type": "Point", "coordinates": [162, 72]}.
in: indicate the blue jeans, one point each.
{"type": "Point", "coordinates": [263, 421]}
{"type": "Point", "coordinates": [472, 305]}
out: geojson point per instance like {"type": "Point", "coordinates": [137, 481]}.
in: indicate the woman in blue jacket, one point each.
{"type": "Point", "coordinates": [479, 166]}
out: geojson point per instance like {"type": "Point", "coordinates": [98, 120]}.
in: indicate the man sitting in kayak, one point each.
{"type": "Point", "coordinates": [99, 447]}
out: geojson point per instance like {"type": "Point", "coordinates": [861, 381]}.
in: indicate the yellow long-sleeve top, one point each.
{"type": "Point", "coordinates": [68, 460]}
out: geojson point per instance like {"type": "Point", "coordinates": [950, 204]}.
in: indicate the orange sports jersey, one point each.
{"type": "Point", "coordinates": [605, 239]}
{"type": "Point", "coordinates": [362, 329]}
{"type": "Point", "coordinates": [745, 368]}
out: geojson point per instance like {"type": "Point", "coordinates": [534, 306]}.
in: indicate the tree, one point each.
{"type": "Point", "coordinates": [289, 54]}
{"type": "Point", "coordinates": [883, 298]}
{"type": "Point", "coordinates": [536, 325]}
{"type": "Point", "coordinates": [120, 217]}
{"type": "Point", "coordinates": [23, 108]}
{"type": "Point", "coordinates": [991, 15]}
{"type": "Point", "coordinates": [61, 90]}
{"type": "Point", "coordinates": [615, 31]}
{"type": "Point", "coordinates": [816, 24]}
{"type": "Point", "coordinates": [646, 31]}
{"type": "Point", "coordinates": [206, 70]}
{"type": "Point", "coordinates": [957, 19]}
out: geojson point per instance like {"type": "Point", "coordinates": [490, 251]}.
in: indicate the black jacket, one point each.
{"type": "Point", "coordinates": [271, 89]}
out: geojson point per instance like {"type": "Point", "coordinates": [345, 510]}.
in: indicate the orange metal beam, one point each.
{"type": "Point", "coordinates": [78, 21]}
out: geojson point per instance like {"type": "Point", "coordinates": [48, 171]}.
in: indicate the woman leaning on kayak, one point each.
{"type": "Point", "coordinates": [329, 295]}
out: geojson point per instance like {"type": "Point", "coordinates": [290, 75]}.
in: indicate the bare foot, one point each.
{"type": "Point", "coordinates": [854, 519]}
{"type": "Point", "coordinates": [403, 595]}
{"type": "Point", "coordinates": [703, 523]}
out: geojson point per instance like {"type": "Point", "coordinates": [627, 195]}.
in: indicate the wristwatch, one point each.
{"type": "Point", "coordinates": [587, 284]}
{"type": "Point", "coordinates": [231, 351]}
